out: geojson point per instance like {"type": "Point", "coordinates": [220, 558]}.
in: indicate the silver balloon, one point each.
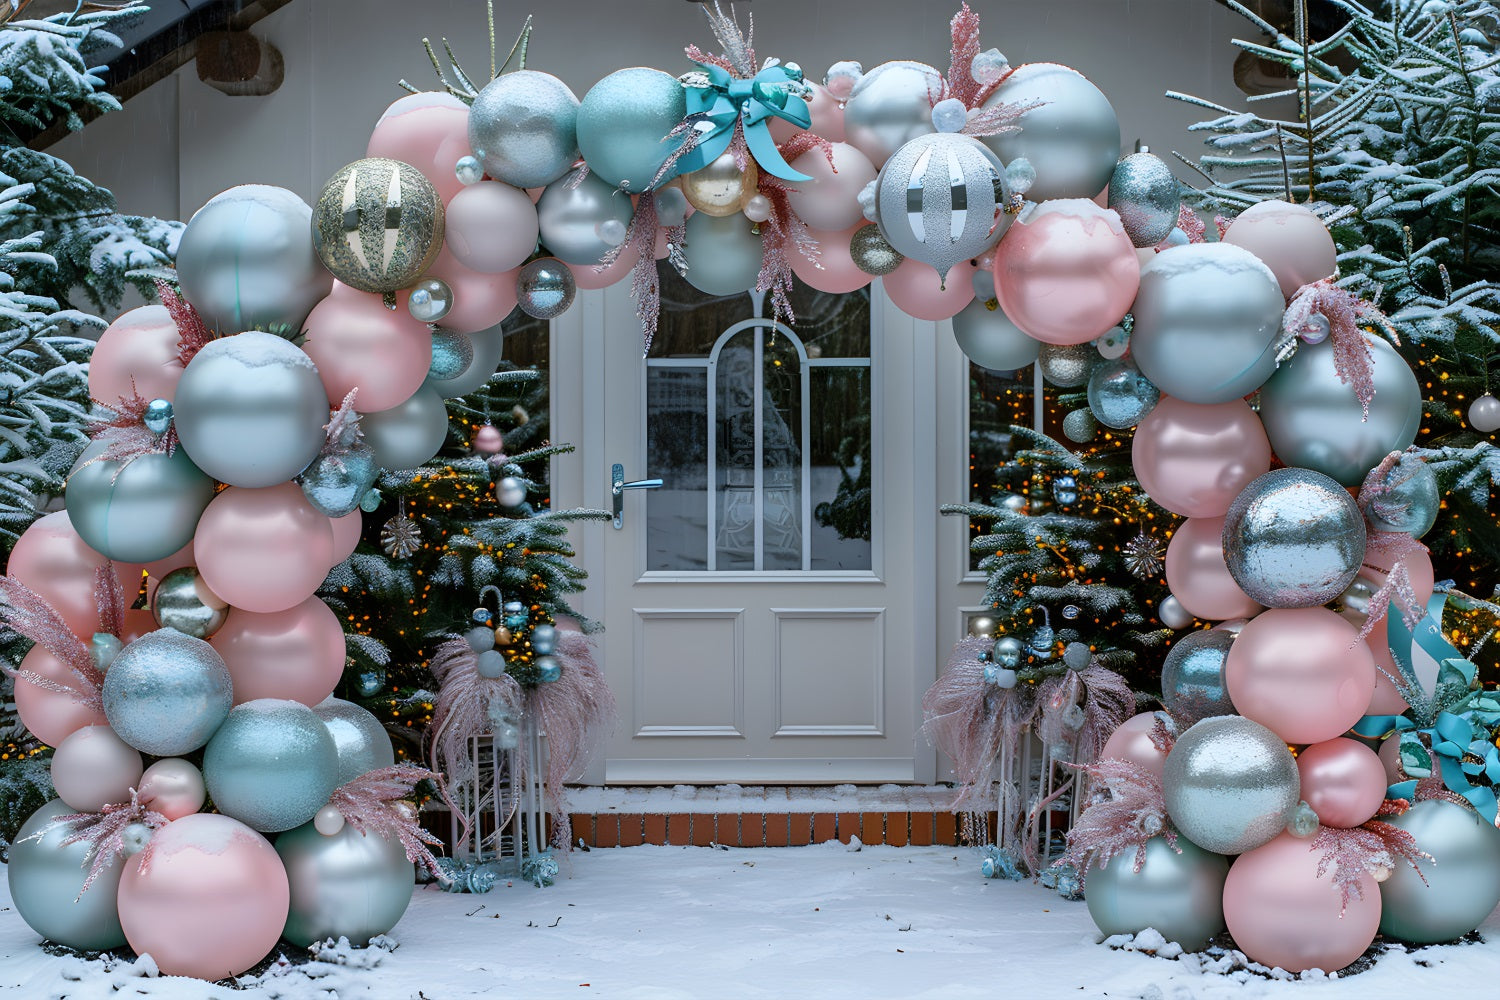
{"type": "Point", "coordinates": [250, 410]}
{"type": "Point", "coordinates": [1173, 614]}
{"type": "Point", "coordinates": [1067, 365]}
{"type": "Point", "coordinates": [871, 253]}
{"type": "Point", "coordinates": [335, 483]}
{"type": "Point", "coordinates": [271, 765]}
{"type": "Point", "coordinates": [545, 288]}
{"type": "Point", "coordinates": [1119, 395]}
{"type": "Point", "coordinates": [361, 741]}
{"type": "Point", "coordinates": [138, 511]}
{"type": "Point", "coordinates": [246, 260]}
{"type": "Point", "coordinates": [940, 199]}
{"type": "Point", "coordinates": [1314, 420]}
{"type": "Point", "coordinates": [1294, 538]}
{"type": "Point", "coordinates": [1230, 784]}
{"type": "Point", "coordinates": [622, 121]}
{"type": "Point", "coordinates": [1462, 881]}
{"type": "Point", "coordinates": [524, 127]}
{"type": "Point", "coordinates": [1143, 191]}
{"type": "Point", "coordinates": [45, 879]}
{"type": "Point", "coordinates": [410, 433]}
{"type": "Point", "coordinates": [1206, 322]}
{"type": "Point", "coordinates": [182, 602]}
{"type": "Point", "coordinates": [1192, 677]}
{"type": "Point", "coordinates": [166, 693]}
{"type": "Point", "coordinates": [724, 254]}
{"type": "Point", "coordinates": [1408, 500]}
{"type": "Point", "coordinates": [350, 884]}
{"type": "Point", "coordinates": [571, 217]}
{"type": "Point", "coordinates": [1181, 895]}
{"type": "Point", "coordinates": [1072, 138]}
{"type": "Point", "coordinates": [990, 340]}
{"type": "Point", "coordinates": [487, 347]}
{"type": "Point", "coordinates": [890, 106]}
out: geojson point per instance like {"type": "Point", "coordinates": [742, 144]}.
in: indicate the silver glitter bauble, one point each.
{"type": "Point", "coordinates": [545, 288]}
{"type": "Point", "coordinates": [430, 300]}
{"type": "Point", "coordinates": [889, 107]}
{"type": "Point", "coordinates": [1072, 137]}
{"type": "Point", "coordinates": [1067, 365]}
{"type": "Point", "coordinates": [400, 537]}
{"type": "Point", "coordinates": [334, 483]}
{"type": "Point", "coordinates": [1457, 890]}
{"type": "Point", "coordinates": [361, 741]}
{"type": "Point", "coordinates": [46, 880]}
{"type": "Point", "coordinates": [939, 199]}
{"type": "Point", "coordinates": [167, 693]}
{"type": "Point", "coordinates": [378, 224]}
{"type": "Point", "coordinates": [1407, 499]}
{"type": "Point", "coordinates": [1230, 784]}
{"type": "Point", "coordinates": [452, 353]}
{"type": "Point", "coordinates": [139, 511]}
{"type": "Point", "coordinates": [1484, 414]}
{"type": "Point", "coordinates": [182, 602]}
{"type": "Point", "coordinates": [989, 339]}
{"type": "Point", "coordinates": [523, 126]}
{"type": "Point", "coordinates": [351, 884]}
{"type": "Point", "coordinates": [1293, 538]}
{"type": "Point", "coordinates": [572, 217]}
{"type": "Point", "coordinates": [1178, 892]}
{"type": "Point", "coordinates": [1356, 598]}
{"type": "Point", "coordinates": [271, 765]}
{"type": "Point", "coordinates": [1080, 426]}
{"type": "Point", "coordinates": [871, 252]}
{"type": "Point", "coordinates": [1144, 193]}
{"type": "Point", "coordinates": [1192, 677]}
{"type": "Point", "coordinates": [1119, 395]}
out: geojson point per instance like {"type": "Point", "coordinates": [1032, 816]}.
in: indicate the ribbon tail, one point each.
{"type": "Point", "coordinates": [763, 149]}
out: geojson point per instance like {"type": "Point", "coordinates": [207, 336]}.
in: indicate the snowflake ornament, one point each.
{"type": "Point", "coordinates": [400, 537]}
{"type": "Point", "coordinates": [1144, 556]}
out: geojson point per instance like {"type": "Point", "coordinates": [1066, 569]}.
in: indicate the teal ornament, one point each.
{"type": "Point", "coordinates": [335, 482]}
{"type": "Point", "coordinates": [370, 502]}
{"type": "Point", "coordinates": [452, 354]}
{"type": "Point", "coordinates": [949, 115]}
{"type": "Point", "coordinates": [1303, 822]}
{"type": "Point", "coordinates": [1406, 499]}
{"type": "Point", "coordinates": [1020, 175]}
{"type": "Point", "coordinates": [167, 693]}
{"type": "Point", "coordinates": [490, 663]}
{"type": "Point", "coordinates": [540, 870]}
{"type": "Point", "coordinates": [1007, 652]}
{"type": "Point", "coordinates": [515, 614]}
{"type": "Point", "coordinates": [1178, 892]}
{"type": "Point", "coordinates": [524, 127]}
{"type": "Point", "coordinates": [777, 91]}
{"type": "Point", "coordinates": [1080, 426]}
{"type": "Point", "coordinates": [430, 300]}
{"type": "Point", "coordinates": [45, 880]}
{"type": "Point", "coordinates": [1462, 883]}
{"type": "Point", "coordinates": [361, 742]}
{"type": "Point", "coordinates": [548, 669]}
{"type": "Point", "coordinates": [1065, 490]}
{"type": "Point", "coordinates": [137, 511]}
{"type": "Point", "coordinates": [544, 638]}
{"type": "Point", "coordinates": [455, 875]}
{"type": "Point", "coordinates": [158, 416]}
{"type": "Point", "coordinates": [545, 288]}
{"type": "Point", "coordinates": [352, 885]}
{"type": "Point", "coordinates": [103, 648]}
{"type": "Point", "coordinates": [370, 682]}
{"type": "Point", "coordinates": [468, 170]}
{"type": "Point", "coordinates": [271, 765]}
{"type": "Point", "coordinates": [1192, 677]}
{"type": "Point", "coordinates": [1119, 395]}
{"type": "Point", "coordinates": [483, 615]}
{"type": "Point", "coordinates": [1143, 192]}
{"type": "Point", "coordinates": [990, 340]}
{"type": "Point", "coordinates": [623, 121]}
{"type": "Point", "coordinates": [183, 603]}
{"type": "Point", "coordinates": [724, 255]}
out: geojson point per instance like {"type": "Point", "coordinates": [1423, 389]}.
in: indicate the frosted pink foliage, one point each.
{"type": "Point", "coordinates": [1344, 311]}
{"type": "Point", "coordinates": [961, 82]}
{"type": "Point", "coordinates": [1130, 811]}
{"type": "Point", "coordinates": [122, 426]}
{"type": "Point", "coordinates": [576, 711]}
{"type": "Point", "coordinates": [343, 426]}
{"type": "Point", "coordinates": [372, 804]}
{"type": "Point", "coordinates": [645, 283]}
{"type": "Point", "coordinates": [191, 331]}
{"type": "Point", "coordinates": [1161, 736]}
{"type": "Point", "coordinates": [972, 721]}
{"type": "Point", "coordinates": [462, 710]}
{"type": "Point", "coordinates": [1190, 224]}
{"type": "Point", "coordinates": [1105, 701]}
{"type": "Point", "coordinates": [1364, 850]}
{"type": "Point", "coordinates": [110, 597]}
{"type": "Point", "coordinates": [1221, 225]}
{"type": "Point", "coordinates": [28, 614]}
{"type": "Point", "coordinates": [997, 119]}
{"type": "Point", "coordinates": [1375, 485]}
{"type": "Point", "coordinates": [1391, 546]}
{"type": "Point", "coordinates": [104, 832]}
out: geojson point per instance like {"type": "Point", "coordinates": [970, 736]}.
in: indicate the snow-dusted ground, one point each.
{"type": "Point", "coordinates": [653, 923]}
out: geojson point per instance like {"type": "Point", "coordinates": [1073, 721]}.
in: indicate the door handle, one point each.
{"type": "Point", "coordinates": [618, 486]}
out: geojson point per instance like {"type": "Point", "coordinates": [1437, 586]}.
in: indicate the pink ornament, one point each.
{"type": "Point", "coordinates": [917, 290]}
{"type": "Point", "coordinates": [1300, 672]}
{"type": "Point", "coordinates": [827, 113]}
{"type": "Point", "coordinates": [173, 787]}
{"type": "Point", "coordinates": [297, 654]}
{"type": "Point", "coordinates": [479, 300]}
{"type": "Point", "coordinates": [1197, 574]}
{"type": "Point", "coordinates": [830, 201]}
{"type": "Point", "coordinates": [1292, 241]}
{"type": "Point", "coordinates": [491, 227]}
{"type": "Point", "coordinates": [207, 897]}
{"type": "Point", "coordinates": [263, 550]}
{"type": "Point", "coordinates": [52, 560]}
{"type": "Point", "coordinates": [1132, 742]}
{"type": "Point", "coordinates": [838, 273]}
{"type": "Point", "coordinates": [1194, 459]}
{"type": "Point", "coordinates": [93, 768]}
{"type": "Point", "coordinates": [51, 716]}
{"type": "Point", "coordinates": [1343, 780]}
{"type": "Point", "coordinates": [1065, 272]}
{"type": "Point", "coordinates": [488, 440]}
{"type": "Point", "coordinates": [1281, 913]}
{"type": "Point", "coordinates": [136, 354]}
{"type": "Point", "coordinates": [431, 132]}
{"type": "Point", "coordinates": [357, 343]}
{"type": "Point", "coordinates": [589, 276]}
{"type": "Point", "coordinates": [346, 531]}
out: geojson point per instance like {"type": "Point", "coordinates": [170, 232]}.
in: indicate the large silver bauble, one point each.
{"type": "Point", "coordinates": [334, 483]}
{"type": "Point", "coordinates": [246, 260]}
{"type": "Point", "coordinates": [1409, 500]}
{"type": "Point", "coordinates": [250, 410]}
{"type": "Point", "coordinates": [1180, 895]}
{"type": "Point", "coordinates": [890, 106]}
{"type": "Point", "coordinates": [361, 741]}
{"type": "Point", "coordinates": [1067, 365]}
{"type": "Point", "coordinates": [990, 340]}
{"type": "Point", "coordinates": [351, 884]}
{"type": "Point", "coordinates": [271, 765]}
{"type": "Point", "coordinates": [182, 602]}
{"type": "Point", "coordinates": [1206, 322]}
{"type": "Point", "coordinates": [410, 433]}
{"type": "Point", "coordinates": [378, 224]}
{"type": "Point", "coordinates": [138, 511]}
{"type": "Point", "coordinates": [622, 122]}
{"type": "Point", "coordinates": [1192, 677]}
{"type": "Point", "coordinates": [1119, 395]}
{"type": "Point", "coordinates": [724, 255]}
{"type": "Point", "coordinates": [524, 127]}
{"type": "Point", "coordinates": [1143, 191]}
{"type": "Point", "coordinates": [940, 199]}
{"type": "Point", "coordinates": [1293, 538]}
{"type": "Point", "coordinates": [1230, 784]}
{"type": "Point", "coordinates": [545, 288]}
{"type": "Point", "coordinates": [571, 215]}
{"type": "Point", "coordinates": [1314, 420]}
{"type": "Point", "coordinates": [1072, 137]}
{"type": "Point", "coordinates": [166, 693]}
{"type": "Point", "coordinates": [46, 878]}
{"type": "Point", "coordinates": [1463, 878]}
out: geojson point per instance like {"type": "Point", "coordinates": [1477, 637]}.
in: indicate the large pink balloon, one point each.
{"type": "Point", "coordinates": [1194, 459]}
{"type": "Point", "coordinates": [52, 716]}
{"type": "Point", "coordinates": [137, 353]}
{"type": "Point", "coordinates": [589, 276]}
{"type": "Point", "coordinates": [263, 550]}
{"type": "Point", "coordinates": [917, 290]}
{"type": "Point", "coordinates": [357, 343]}
{"type": "Point", "coordinates": [296, 655]}
{"type": "Point", "coordinates": [1300, 672]}
{"type": "Point", "coordinates": [1132, 742]}
{"type": "Point", "coordinates": [346, 532]}
{"type": "Point", "coordinates": [1386, 699]}
{"type": "Point", "coordinates": [94, 768]}
{"type": "Point", "coordinates": [1197, 574]}
{"type": "Point", "coordinates": [831, 199]}
{"type": "Point", "coordinates": [173, 787]}
{"type": "Point", "coordinates": [1066, 272]}
{"type": "Point", "coordinates": [207, 898]}
{"type": "Point", "coordinates": [1292, 241]}
{"type": "Point", "coordinates": [479, 300]}
{"type": "Point", "coordinates": [1282, 913]}
{"type": "Point", "coordinates": [52, 560]}
{"type": "Point", "coordinates": [827, 114]}
{"type": "Point", "coordinates": [834, 271]}
{"type": "Point", "coordinates": [491, 227]}
{"type": "Point", "coordinates": [1378, 565]}
{"type": "Point", "coordinates": [428, 130]}
{"type": "Point", "coordinates": [1343, 780]}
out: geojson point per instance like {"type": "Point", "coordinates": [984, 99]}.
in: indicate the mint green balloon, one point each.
{"type": "Point", "coordinates": [45, 878]}
{"type": "Point", "coordinates": [723, 254]}
{"type": "Point", "coordinates": [1178, 894]}
{"type": "Point", "coordinates": [622, 121]}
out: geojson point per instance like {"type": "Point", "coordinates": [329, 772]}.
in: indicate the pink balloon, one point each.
{"type": "Point", "coordinates": [1301, 673]}
{"type": "Point", "coordinates": [1378, 565]}
{"type": "Point", "coordinates": [1292, 241]}
{"type": "Point", "coordinates": [52, 560]}
{"type": "Point", "coordinates": [838, 274]}
{"type": "Point", "coordinates": [346, 531]}
{"type": "Point", "coordinates": [588, 276]}
{"type": "Point", "coordinates": [263, 550]}
{"type": "Point", "coordinates": [1390, 759]}
{"type": "Point", "coordinates": [1282, 913]}
{"type": "Point", "coordinates": [137, 353]}
{"type": "Point", "coordinates": [138, 622]}
{"type": "Point", "coordinates": [357, 342]}
{"type": "Point", "coordinates": [161, 567]}
{"type": "Point", "coordinates": [917, 290]}
{"type": "Point", "coordinates": [1194, 459]}
{"type": "Point", "coordinates": [207, 898]}
{"type": "Point", "coordinates": [52, 716]}
{"type": "Point", "coordinates": [431, 132]}
{"type": "Point", "coordinates": [827, 113]}
{"type": "Point", "coordinates": [831, 199]}
{"type": "Point", "coordinates": [94, 768]}
{"type": "Point", "coordinates": [1343, 780]}
{"type": "Point", "coordinates": [173, 787]}
{"type": "Point", "coordinates": [1198, 576]}
{"type": "Point", "coordinates": [491, 227]}
{"type": "Point", "coordinates": [1132, 742]}
{"type": "Point", "coordinates": [297, 654]}
{"type": "Point", "coordinates": [1065, 272]}
{"type": "Point", "coordinates": [479, 300]}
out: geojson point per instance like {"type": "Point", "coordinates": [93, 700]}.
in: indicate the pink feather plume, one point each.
{"type": "Point", "coordinates": [575, 712]}
{"type": "Point", "coordinates": [372, 804]}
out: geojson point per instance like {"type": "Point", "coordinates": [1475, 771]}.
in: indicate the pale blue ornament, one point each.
{"type": "Point", "coordinates": [138, 511]}
{"type": "Point", "coordinates": [548, 669]}
{"type": "Point", "coordinates": [490, 663]}
{"type": "Point", "coordinates": [487, 346]}
{"type": "Point", "coordinates": [1113, 344]}
{"type": "Point", "coordinates": [1303, 822]}
{"type": "Point", "coordinates": [570, 217]}
{"type": "Point", "coordinates": [671, 207]}
{"type": "Point", "coordinates": [370, 682]}
{"type": "Point", "coordinates": [1143, 192]}
{"type": "Point", "coordinates": [480, 638]}
{"type": "Point", "coordinates": [452, 354]}
{"type": "Point", "coordinates": [271, 765]}
{"type": "Point", "coordinates": [1409, 501]}
{"type": "Point", "coordinates": [988, 67]}
{"type": "Point", "coordinates": [1119, 395]}
{"type": "Point", "coordinates": [134, 838]}
{"type": "Point", "coordinates": [523, 126]}
{"type": "Point", "coordinates": [1177, 892]}
{"type": "Point", "coordinates": [468, 170]}
{"type": "Point", "coordinates": [724, 254]}
{"type": "Point", "coordinates": [45, 879]}
{"type": "Point", "coordinates": [334, 483]}
{"type": "Point", "coordinates": [1020, 175]}
{"type": "Point", "coordinates": [1462, 883]}
{"type": "Point", "coordinates": [622, 122]}
{"type": "Point", "coordinates": [103, 648]}
{"type": "Point", "coordinates": [1294, 538]}
{"type": "Point", "coordinates": [1231, 784]}
{"type": "Point", "coordinates": [158, 416]}
{"type": "Point", "coordinates": [1072, 136]}
{"type": "Point", "coordinates": [1315, 330]}
{"type": "Point", "coordinates": [370, 502]}
{"type": "Point", "coordinates": [889, 107]}
{"type": "Point", "coordinates": [949, 115]}
{"type": "Point", "coordinates": [430, 300]}
{"type": "Point", "coordinates": [1192, 677]}
{"type": "Point", "coordinates": [409, 433]}
{"type": "Point", "coordinates": [1079, 426]}
{"type": "Point", "coordinates": [544, 638]}
{"type": "Point", "coordinates": [167, 693]}
{"type": "Point", "coordinates": [351, 884]}
{"type": "Point", "coordinates": [545, 288]}
{"type": "Point", "coordinates": [360, 740]}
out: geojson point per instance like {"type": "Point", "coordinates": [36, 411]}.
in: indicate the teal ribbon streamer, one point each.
{"type": "Point", "coordinates": [754, 103]}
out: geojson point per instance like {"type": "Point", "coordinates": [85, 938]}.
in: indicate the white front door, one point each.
{"type": "Point", "coordinates": [769, 610]}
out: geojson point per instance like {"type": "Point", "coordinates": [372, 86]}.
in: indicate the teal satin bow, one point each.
{"type": "Point", "coordinates": [754, 103]}
{"type": "Point", "coordinates": [1463, 752]}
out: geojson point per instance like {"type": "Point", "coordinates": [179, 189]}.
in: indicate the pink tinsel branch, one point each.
{"type": "Point", "coordinates": [342, 429]}
{"type": "Point", "coordinates": [104, 833]}
{"type": "Point", "coordinates": [965, 46]}
{"type": "Point", "coordinates": [192, 333]}
{"type": "Point", "coordinates": [575, 711]}
{"type": "Point", "coordinates": [1131, 810]}
{"type": "Point", "coordinates": [462, 711]}
{"type": "Point", "coordinates": [997, 119]}
{"type": "Point", "coordinates": [372, 804]}
{"type": "Point", "coordinates": [28, 613]}
{"type": "Point", "coordinates": [1190, 224]}
{"type": "Point", "coordinates": [1363, 850]}
{"type": "Point", "coordinates": [1162, 735]}
{"type": "Point", "coordinates": [1344, 311]}
{"type": "Point", "coordinates": [697, 55]}
{"type": "Point", "coordinates": [1389, 547]}
{"type": "Point", "coordinates": [1375, 485]}
{"type": "Point", "coordinates": [122, 426]}
{"type": "Point", "coordinates": [645, 283]}
{"type": "Point", "coordinates": [109, 595]}
{"type": "Point", "coordinates": [973, 721]}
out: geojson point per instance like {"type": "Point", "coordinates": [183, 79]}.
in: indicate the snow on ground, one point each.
{"type": "Point", "coordinates": [668, 923]}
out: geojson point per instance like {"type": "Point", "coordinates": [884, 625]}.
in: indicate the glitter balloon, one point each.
{"type": "Point", "coordinates": [545, 288]}
{"type": "Point", "coordinates": [1119, 395]}
{"type": "Point", "coordinates": [1192, 677]}
{"type": "Point", "coordinates": [1294, 538]}
{"type": "Point", "coordinates": [1230, 784]}
{"type": "Point", "coordinates": [1080, 426]}
{"type": "Point", "coordinates": [271, 765]}
{"type": "Point", "coordinates": [523, 127]}
{"type": "Point", "coordinates": [622, 121]}
{"type": "Point", "coordinates": [1144, 193]}
{"type": "Point", "coordinates": [166, 693]}
{"type": "Point", "coordinates": [1177, 892]}
{"type": "Point", "coordinates": [378, 224]}
{"type": "Point", "coordinates": [1067, 365]}
{"type": "Point", "coordinates": [871, 252]}
{"type": "Point", "coordinates": [1407, 499]}
{"type": "Point", "coordinates": [452, 353]}
{"type": "Point", "coordinates": [183, 602]}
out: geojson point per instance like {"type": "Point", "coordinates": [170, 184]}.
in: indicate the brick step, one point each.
{"type": "Point", "coordinates": [770, 829]}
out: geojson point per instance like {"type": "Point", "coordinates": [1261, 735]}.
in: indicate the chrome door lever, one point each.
{"type": "Point", "coordinates": [618, 486]}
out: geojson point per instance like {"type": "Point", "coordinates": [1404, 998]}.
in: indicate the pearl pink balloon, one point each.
{"type": "Point", "coordinates": [589, 276]}
{"type": "Point", "coordinates": [831, 199]}
{"type": "Point", "coordinates": [1343, 780]}
{"type": "Point", "coordinates": [94, 768]}
{"type": "Point", "coordinates": [51, 716]}
{"type": "Point", "coordinates": [346, 531]}
{"type": "Point", "coordinates": [297, 654]}
{"type": "Point", "coordinates": [207, 898]}
{"type": "Point", "coordinates": [1301, 673]}
{"type": "Point", "coordinates": [1281, 913]}
{"type": "Point", "coordinates": [1132, 742]}
{"type": "Point", "coordinates": [1418, 562]}
{"type": "Point", "coordinates": [838, 273]}
{"type": "Point", "coordinates": [1290, 239]}
{"type": "Point", "coordinates": [1198, 576]}
{"type": "Point", "coordinates": [1194, 459]}
{"type": "Point", "coordinates": [1065, 272]}
{"type": "Point", "coordinates": [479, 300]}
{"type": "Point", "coordinates": [357, 343]}
{"type": "Point", "coordinates": [137, 353]}
{"type": "Point", "coordinates": [491, 227]}
{"type": "Point", "coordinates": [431, 132]}
{"type": "Point", "coordinates": [173, 787]}
{"type": "Point", "coordinates": [52, 560]}
{"type": "Point", "coordinates": [827, 114]}
{"type": "Point", "coordinates": [263, 550]}
{"type": "Point", "coordinates": [917, 290]}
